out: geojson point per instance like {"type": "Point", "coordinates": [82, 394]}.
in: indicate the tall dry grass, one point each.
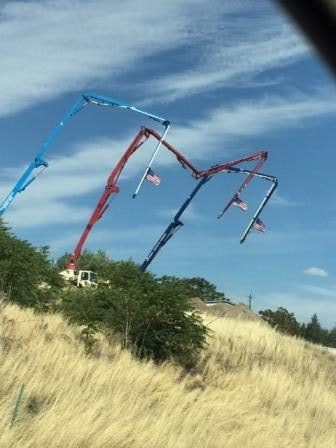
{"type": "Point", "coordinates": [252, 388]}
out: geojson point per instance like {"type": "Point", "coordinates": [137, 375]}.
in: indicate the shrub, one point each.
{"type": "Point", "coordinates": [283, 320]}
{"type": "Point", "coordinates": [152, 319]}
{"type": "Point", "coordinates": [22, 270]}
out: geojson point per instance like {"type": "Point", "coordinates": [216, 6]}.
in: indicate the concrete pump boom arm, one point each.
{"type": "Point", "coordinates": [27, 176]}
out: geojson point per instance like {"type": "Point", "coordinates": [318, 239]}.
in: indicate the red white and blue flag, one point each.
{"type": "Point", "coordinates": [152, 177]}
{"type": "Point", "coordinates": [259, 225]}
{"type": "Point", "coordinates": [239, 203]}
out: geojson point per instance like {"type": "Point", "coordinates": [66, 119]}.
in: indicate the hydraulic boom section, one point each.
{"type": "Point", "coordinates": [28, 175]}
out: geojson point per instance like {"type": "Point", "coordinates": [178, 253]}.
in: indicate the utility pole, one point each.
{"type": "Point", "coordinates": [250, 297]}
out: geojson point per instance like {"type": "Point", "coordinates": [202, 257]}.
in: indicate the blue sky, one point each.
{"type": "Point", "coordinates": [233, 79]}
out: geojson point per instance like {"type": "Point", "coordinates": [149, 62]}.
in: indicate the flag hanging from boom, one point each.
{"type": "Point", "coordinates": [259, 225]}
{"type": "Point", "coordinates": [159, 144]}
{"type": "Point", "coordinates": [152, 177]}
{"type": "Point", "coordinates": [239, 203]}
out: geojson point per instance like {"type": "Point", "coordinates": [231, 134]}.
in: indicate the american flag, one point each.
{"type": "Point", "coordinates": [152, 177]}
{"type": "Point", "coordinates": [259, 225]}
{"type": "Point", "coordinates": [239, 203]}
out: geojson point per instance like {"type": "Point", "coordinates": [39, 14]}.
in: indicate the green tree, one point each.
{"type": "Point", "coordinates": [282, 320]}
{"type": "Point", "coordinates": [195, 287]}
{"type": "Point", "coordinates": [153, 319]}
{"type": "Point", "coordinates": [23, 268]}
{"type": "Point", "coordinates": [314, 332]}
{"type": "Point", "coordinates": [97, 262]}
{"type": "Point", "coordinates": [331, 342]}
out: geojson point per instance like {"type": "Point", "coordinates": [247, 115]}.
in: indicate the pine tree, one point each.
{"type": "Point", "coordinates": [314, 331]}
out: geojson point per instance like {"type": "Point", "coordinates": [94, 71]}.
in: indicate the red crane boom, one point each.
{"type": "Point", "coordinates": [112, 188]}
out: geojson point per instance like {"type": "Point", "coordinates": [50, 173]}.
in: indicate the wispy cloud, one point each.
{"type": "Point", "coordinates": [318, 290]}
{"type": "Point", "coordinates": [279, 201]}
{"type": "Point", "coordinates": [316, 272]}
{"type": "Point", "coordinates": [46, 213]}
{"type": "Point", "coordinates": [191, 214]}
{"type": "Point", "coordinates": [234, 61]}
{"type": "Point", "coordinates": [54, 47]}
{"type": "Point", "coordinates": [228, 125]}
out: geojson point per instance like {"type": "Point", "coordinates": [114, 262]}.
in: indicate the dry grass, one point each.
{"type": "Point", "coordinates": [254, 388]}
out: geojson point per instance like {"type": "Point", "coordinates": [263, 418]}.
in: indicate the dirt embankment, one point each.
{"type": "Point", "coordinates": [239, 311]}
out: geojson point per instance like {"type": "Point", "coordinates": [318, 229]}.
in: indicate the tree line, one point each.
{"type": "Point", "coordinates": [286, 322]}
{"type": "Point", "coordinates": [149, 315]}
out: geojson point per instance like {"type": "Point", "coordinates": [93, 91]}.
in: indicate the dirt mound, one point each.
{"type": "Point", "coordinates": [198, 304]}
{"type": "Point", "coordinates": [239, 311]}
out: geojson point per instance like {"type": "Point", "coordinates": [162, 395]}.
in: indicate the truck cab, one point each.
{"type": "Point", "coordinates": [80, 278]}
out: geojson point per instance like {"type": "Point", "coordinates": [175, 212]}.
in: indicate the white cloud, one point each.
{"type": "Point", "coordinates": [47, 212]}
{"type": "Point", "coordinates": [280, 201]}
{"type": "Point", "coordinates": [318, 290]}
{"type": "Point", "coordinates": [316, 272]}
{"type": "Point", "coordinates": [235, 59]}
{"type": "Point", "coordinates": [53, 47]}
{"type": "Point", "coordinates": [249, 118]}
{"type": "Point", "coordinates": [190, 214]}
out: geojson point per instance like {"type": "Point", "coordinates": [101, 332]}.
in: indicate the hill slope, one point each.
{"type": "Point", "coordinates": [253, 388]}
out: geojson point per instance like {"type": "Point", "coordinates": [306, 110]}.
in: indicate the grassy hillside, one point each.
{"type": "Point", "coordinates": [253, 388]}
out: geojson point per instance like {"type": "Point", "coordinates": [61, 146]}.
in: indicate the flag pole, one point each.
{"type": "Point", "coordinates": [260, 208]}
{"type": "Point", "coordinates": [151, 160]}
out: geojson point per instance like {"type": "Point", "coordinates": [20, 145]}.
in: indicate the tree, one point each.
{"type": "Point", "coordinates": [314, 331]}
{"type": "Point", "coordinates": [97, 262]}
{"type": "Point", "coordinates": [195, 287]}
{"type": "Point", "coordinates": [331, 342]}
{"type": "Point", "coordinates": [23, 268]}
{"type": "Point", "coordinates": [282, 320]}
{"type": "Point", "coordinates": [152, 318]}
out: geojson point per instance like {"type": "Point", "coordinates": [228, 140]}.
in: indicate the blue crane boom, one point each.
{"type": "Point", "coordinates": [176, 224]}
{"type": "Point", "coordinates": [27, 177]}
{"type": "Point", "coordinates": [173, 227]}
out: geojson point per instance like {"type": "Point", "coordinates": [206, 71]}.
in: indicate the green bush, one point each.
{"type": "Point", "coordinates": [23, 268]}
{"type": "Point", "coordinates": [282, 320]}
{"type": "Point", "coordinates": [195, 287]}
{"type": "Point", "coordinates": [152, 319]}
